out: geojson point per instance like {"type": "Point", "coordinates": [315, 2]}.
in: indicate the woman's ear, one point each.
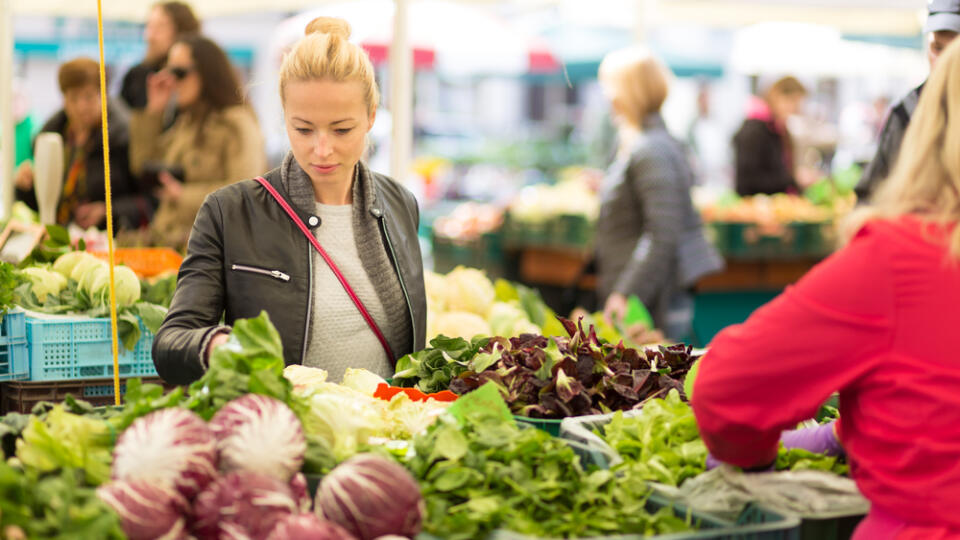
{"type": "Point", "coordinates": [371, 119]}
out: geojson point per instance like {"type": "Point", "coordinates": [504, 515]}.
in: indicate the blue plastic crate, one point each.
{"type": "Point", "coordinates": [14, 359]}
{"type": "Point", "coordinates": [80, 348]}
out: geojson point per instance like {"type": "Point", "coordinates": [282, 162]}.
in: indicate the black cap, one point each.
{"type": "Point", "coordinates": [943, 15]}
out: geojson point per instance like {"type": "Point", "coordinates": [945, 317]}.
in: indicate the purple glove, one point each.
{"type": "Point", "coordinates": [819, 440]}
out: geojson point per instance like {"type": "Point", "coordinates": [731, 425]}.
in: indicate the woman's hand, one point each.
{"type": "Point", "coordinates": [160, 87]}
{"type": "Point", "coordinates": [615, 309]}
{"type": "Point", "coordinates": [215, 342]}
{"type": "Point", "coordinates": [90, 214]}
{"type": "Point", "coordinates": [171, 189]}
{"type": "Point", "coordinates": [24, 176]}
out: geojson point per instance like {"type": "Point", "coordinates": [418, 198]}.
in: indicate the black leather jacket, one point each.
{"type": "Point", "coordinates": [242, 224]}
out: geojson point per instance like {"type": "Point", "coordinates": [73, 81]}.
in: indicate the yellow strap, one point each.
{"type": "Point", "coordinates": [109, 204]}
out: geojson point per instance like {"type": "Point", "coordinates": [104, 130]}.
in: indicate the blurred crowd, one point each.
{"type": "Point", "coordinates": [181, 126]}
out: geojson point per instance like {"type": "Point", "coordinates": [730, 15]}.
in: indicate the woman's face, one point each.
{"type": "Point", "coordinates": [327, 123]}
{"type": "Point", "coordinates": [82, 106]}
{"type": "Point", "coordinates": [159, 33]}
{"type": "Point", "coordinates": [181, 65]}
{"type": "Point", "coordinates": [783, 106]}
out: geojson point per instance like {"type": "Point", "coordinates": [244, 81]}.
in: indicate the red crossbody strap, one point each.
{"type": "Point", "coordinates": [336, 271]}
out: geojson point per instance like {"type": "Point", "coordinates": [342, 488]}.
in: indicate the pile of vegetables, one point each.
{"type": "Point", "coordinates": [555, 377]}
{"type": "Point", "coordinates": [662, 444]}
{"type": "Point", "coordinates": [486, 473]}
{"type": "Point", "coordinates": [542, 202]}
{"type": "Point", "coordinates": [238, 477]}
{"type": "Point", "coordinates": [77, 283]}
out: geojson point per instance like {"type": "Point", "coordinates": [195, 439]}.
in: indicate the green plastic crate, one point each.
{"type": "Point", "coordinates": [829, 526]}
{"type": "Point", "coordinates": [550, 425]}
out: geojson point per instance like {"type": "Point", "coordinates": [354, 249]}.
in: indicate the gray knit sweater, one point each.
{"type": "Point", "coordinates": [395, 323]}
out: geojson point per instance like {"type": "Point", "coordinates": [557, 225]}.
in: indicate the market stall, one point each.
{"type": "Point", "coordinates": [436, 452]}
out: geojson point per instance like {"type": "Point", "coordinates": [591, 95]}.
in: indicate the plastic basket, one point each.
{"type": "Point", "coordinates": [146, 262]}
{"type": "Point", "coordinates": [23, 396]}
{"type": "Point", "coordinates": [829, 526]}
{"type": "Point", "coordinates": [550, 425]}
{"type": "Point", "coordinates": [14, 359]}
{"type": "Point", "coordinates": [81, 348]}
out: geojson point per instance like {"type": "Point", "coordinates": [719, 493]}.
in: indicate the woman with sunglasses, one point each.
{"type": "Point", "coordinates": [215, 140]}
{"type": "Point", "coordinates": [325, 246]}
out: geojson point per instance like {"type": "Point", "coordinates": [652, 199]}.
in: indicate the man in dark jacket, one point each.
{"type": "Point", "coordinates": [83, 192]}
{"type": "Point", "coordinates": [943, 24]}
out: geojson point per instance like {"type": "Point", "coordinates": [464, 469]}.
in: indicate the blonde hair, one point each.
{"type": "Point", "coordinates": [637, 81]}
{"type": "Point", "coordinates": [326, 53]}
{"type": "Point", "coordinates": [926, 177]}
{"type": "Point", "coordinates": [786, 86]}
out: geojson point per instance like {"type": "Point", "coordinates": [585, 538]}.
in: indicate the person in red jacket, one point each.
{"type": "Point", "coordinates": [878, 322]}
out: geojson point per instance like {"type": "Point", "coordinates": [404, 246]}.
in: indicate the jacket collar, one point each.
{"type": "Point", "coordinates": [299, 189]}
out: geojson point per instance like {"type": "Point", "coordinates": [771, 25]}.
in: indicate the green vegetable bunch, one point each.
{"type": "Point", "coordinates": [489, 474]}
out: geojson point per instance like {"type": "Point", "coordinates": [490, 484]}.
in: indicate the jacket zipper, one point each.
{"type": "Point", "coordinates": [276, 274]}
{"type": "Point", "coordinates": [403, 287]}
{"type": "Point", "coordinates": [306, 319]}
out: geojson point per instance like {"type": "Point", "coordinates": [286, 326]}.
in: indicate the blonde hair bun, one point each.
{"type": "Point", "coordinates": [329, 25]}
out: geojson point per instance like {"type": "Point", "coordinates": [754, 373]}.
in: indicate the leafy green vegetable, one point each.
{"type": "Point", "coordinates": [662, 444]}
{"type": "Point", "coordinates": [142, 399]}
{"type": "Point", "coordinates": [558, 377]}
{"type": "Point", "coordinates": [250, 362]}
{"type": "Point", "coordinates": [56, 244]}
{"type": "Point", "coordinates": [53, 506]}
{"type": "Point", "coordinates": [9, 281]}
{"type": "Point", "coordinates": [432, 369]}
{"type": "Point", "coordinates": [159, 290]}
{"type": "Point", "coordinates": [67, 440]}
{"type": "Point", "coordinates": [489, 474]}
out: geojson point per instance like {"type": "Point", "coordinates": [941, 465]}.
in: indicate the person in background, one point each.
{"type": "Point", "coordinates": [653, 240]}
{"type": "Point", "coordinates": [763, 148]}
{"type": "Point", "coordinates": [215, 140]}
{"type": "Point", "coordinates": [167, 21]}
{"type": "Point", "coordinates": [246, 253]}
{"type": "Point", "coordinates": [83, 192]}
{"type": "Point", "coordinates": [876, 322]}
{"type": "Point", "coordinates": [943, 24]}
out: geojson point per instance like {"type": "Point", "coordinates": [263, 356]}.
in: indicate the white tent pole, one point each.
{"type": "Point", "coordinates": [7, 141]}
{"type": "Point", "coordinates": [401, 93]}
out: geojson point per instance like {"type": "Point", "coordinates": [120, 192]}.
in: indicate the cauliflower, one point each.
{"type": "Point", "coordinates": [469, 290]}
{"type": "Point", "coordinates": [460, 324]}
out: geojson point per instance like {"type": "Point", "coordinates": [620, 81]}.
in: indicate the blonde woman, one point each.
{"type": "Point", "coordinates": [651, 240]}
{"type": "Point", "coordinates": [256, 245]}
{"type": "Point", "coordinates": [878, 322]}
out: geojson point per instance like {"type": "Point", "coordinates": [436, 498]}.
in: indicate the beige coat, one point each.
{"type": "Point", "coordinates": [232, 150]}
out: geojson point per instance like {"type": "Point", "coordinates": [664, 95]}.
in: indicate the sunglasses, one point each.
{"type": "Point", "coordinates": [180, 73]}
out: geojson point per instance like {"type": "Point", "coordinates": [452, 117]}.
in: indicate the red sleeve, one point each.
{"type": "Point", "coordinates": [773, 371]}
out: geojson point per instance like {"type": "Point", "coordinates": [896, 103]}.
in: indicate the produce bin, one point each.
{"type": "Point", "coordinates": [22, 396]}
{"type": "Point", "coordinates": [14, 358]}
{"type": "Point", "coordinates": [81, 348]}
{"type": "Point", "coordinates": [835, 526]}
{"type": "Point", "coordinates": [550, 425]}
{"type": "Point", "coordinates": [146, 262]}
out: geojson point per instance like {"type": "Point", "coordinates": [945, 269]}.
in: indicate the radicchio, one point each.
{"type": "Point", "coordinates": [308, 527]}
{"type": "Point", "coordinates": [371, 496]}
{"type": "Point", "coordinates": [172, 448]}
{"type": "Point", "coordinates": [147, 511]}
{"type": "Point", "coordinates": [259, 434]}
{"type": "Point", "coordinates": [242, 505]}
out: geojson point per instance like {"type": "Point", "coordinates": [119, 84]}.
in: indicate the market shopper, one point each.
{"type": "Point", "coordinates": [215, 141]}
{"type": "Point", "coordinates": [82, 194]}
{"type": "Point", "coordinates": [763, 147]}
{"type": "Point", "coordinates": [876, 322]}
{"type": "Point", "coordinates": [651, 241]}
{"type": "Point", "coordinates": [166, 22]}
{"type": "Point", "coordinates": [943, 24]}
{"type": "Point", "coordinates": [246, 254]}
